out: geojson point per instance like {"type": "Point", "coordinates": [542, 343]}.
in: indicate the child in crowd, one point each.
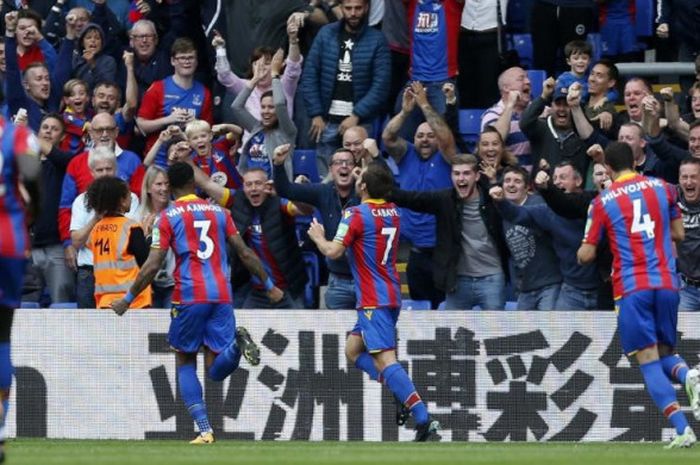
{"type": "Point", "coordinates": [75, 116]}
{"type": "Point", "coordinates": [578, 56]}
{"type": "Point", "coordinates": [217, 164]}
{"type": "Point", "coordinates": [91, 64]}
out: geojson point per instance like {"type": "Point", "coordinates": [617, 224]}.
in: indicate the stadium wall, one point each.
{"type": "Point", "coordinates": [487, 376]}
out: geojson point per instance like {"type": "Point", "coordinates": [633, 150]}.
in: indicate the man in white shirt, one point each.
{"type": "Point", "coordinates": [102, 162]}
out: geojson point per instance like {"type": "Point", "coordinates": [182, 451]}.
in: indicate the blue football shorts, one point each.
{"type": "Point", "coordinates": [618, 37]}
{"type": "Point", "coordinates": [194, 325]}
{"type": "Point", "coordinates": [377, 328]}
{"type": "Point", "coordinates": [11, 280]}
{"type": "Point", "coordinates": [646, 318]}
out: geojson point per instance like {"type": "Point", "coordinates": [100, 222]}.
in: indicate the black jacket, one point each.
{"type": "Point", "coordinates": [280, 236]}
{"type": "Point", "coordinates": [447, 208]}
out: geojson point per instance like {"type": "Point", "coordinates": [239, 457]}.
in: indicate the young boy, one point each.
{"type": "Point", "coordinates": [75, 118]}
{"type": "Point", "coordinates": [214, 162]}
{"type": "Point", "coordinates": [578, 56]}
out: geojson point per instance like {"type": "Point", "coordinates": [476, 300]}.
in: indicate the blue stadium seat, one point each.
{"type": "Point", "coordinates": [64, 305]}
{"type": "Point", "coordinates": [312, 271]}
{"type": "Point", "coordinates": [537, 78]}
{"type": "Point", "coordinates": [304, 162]}
{"type": "Point", "coordinates": [597, 43]}
{"type": "Point", "coordinates": [29, 305]}
{"type": "Point", "coordinates": [645, 18]}
{"type": "Point", "coordinates": [470, 126]}
{"type": "Point", "coordinates": [511, 305]}
{"type": "Point", "coordinates": [441, 306]}
{"type": "Point", "coordinates": [522, 43]}
{"type": "Point", "coordinates": [408, 304]}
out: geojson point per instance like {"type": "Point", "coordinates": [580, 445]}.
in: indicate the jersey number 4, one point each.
{"type": "Point", "coordinates": [641, 223]}
{"type": "Point", "coordinates": [202, 226]}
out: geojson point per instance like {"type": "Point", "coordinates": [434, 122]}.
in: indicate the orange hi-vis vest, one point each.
{"type": "Point", "coordinates": [114, 267]}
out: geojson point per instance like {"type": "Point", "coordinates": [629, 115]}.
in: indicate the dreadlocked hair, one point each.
{"type": "Point", "coordinates": [105, 196]}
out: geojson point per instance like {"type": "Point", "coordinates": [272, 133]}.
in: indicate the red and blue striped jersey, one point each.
{"type": "Point", "coordinates": [15, 141]}
{"type": "Point", "coordinates": [434, 26]}
{"type": "Point", "coordinates": [78, 177]}
{"type": "Point", "coordinates": [255, 238]}
{"type": "Point", "coordinates": [196, 231]}
{"type": "Point", "coordinates": [165, 95]}
{"type": "Point", "coordinates": [74, 131]}
{"type": "Point", "coordinates": [370, 233]}
{"type": "Point", "coordinates": [220, 168]}
{"type": "Point", "coordinates": [636, 213]}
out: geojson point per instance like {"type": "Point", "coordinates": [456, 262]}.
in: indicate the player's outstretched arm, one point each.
{"type": "Point", "coordinates": [255, 266]}
{"type": "Point", "coordinates": [148, 271]}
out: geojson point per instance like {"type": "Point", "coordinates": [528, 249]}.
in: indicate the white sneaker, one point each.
{"type": "Point", "coordinates": [687, 439]}
{"type": "Point", "coordinates": [692, 389]}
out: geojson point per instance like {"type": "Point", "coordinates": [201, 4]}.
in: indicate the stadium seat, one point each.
{"type": "Point", "coordinates": [304, 162]}
{"type": "Point", "coordinates": [64, 305]}
{"type": "Point", "coordinates": [441, 306]}
{"type": "Point", "coordinates": [470, 126]}
{"type": "Point", "coordinates": [597, 44]}
{"type": "Point", "coordinates": [537, 78]}
{"type": "Point", "coordinates": [522, 43]}
{"type": "Point", "coordinates": [511, 305]}
{"type": "Point", "coordinates": [312, 271]}
{"type": "Point", "coordinates": [408, 304]}
{"type": "Point", "coordinates": [644, 22]}
{"type": "Point", "coordinates": [29, 305]}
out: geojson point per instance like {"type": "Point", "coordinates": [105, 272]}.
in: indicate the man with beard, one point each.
{"type": "Point", "coordinates": [423, 165]}
{"type": "Point", "coordinates": [331, 198]}
{"type": "Point", "coordinates": [470, 256]}
{"type": "Point", "coordinates": [553, 138]}
{"type": "Point", "coordinates": [689, 248]}
{"type": "Point", "coordinates": [346, 78]}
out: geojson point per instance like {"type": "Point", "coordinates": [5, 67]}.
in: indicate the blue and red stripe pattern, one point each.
{"type": "Point", "coordinates": [370, 233]}
{"type": "Point", "coordinates": [16, 141]}
{"type": "Point", "coordinates": [256, 239]}
{"type": "Point", "coordinates": [636, 212]}
{"type": "Point", "coordinates": [196, 231]}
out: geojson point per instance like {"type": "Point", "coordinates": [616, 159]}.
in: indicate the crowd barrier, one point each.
{"type": "Point", "coordinates": [486, 376]}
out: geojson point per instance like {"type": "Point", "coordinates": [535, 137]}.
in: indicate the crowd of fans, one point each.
{"type": "Point", "coordinates": [118, 90]}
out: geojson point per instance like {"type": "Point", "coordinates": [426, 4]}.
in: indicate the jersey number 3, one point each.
{"type": "Point", "coordinates": [202, 226]}
{"type": "Point", "coordinates": [641, 223]}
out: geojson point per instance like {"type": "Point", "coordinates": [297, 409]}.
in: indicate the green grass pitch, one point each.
{"type": "Point", "coordinates": [46, 452]}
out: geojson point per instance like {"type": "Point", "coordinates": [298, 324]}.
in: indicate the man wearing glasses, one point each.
{"type": "Point", "coordinates": [177, 99]}
{"type": "Point", "coordinates": [331, 198]}
{"type": "Point", "coordinates": [103, 132]}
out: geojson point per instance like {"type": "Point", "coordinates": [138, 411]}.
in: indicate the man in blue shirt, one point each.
{"type": "Point", "coordinates": [424, 165]}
